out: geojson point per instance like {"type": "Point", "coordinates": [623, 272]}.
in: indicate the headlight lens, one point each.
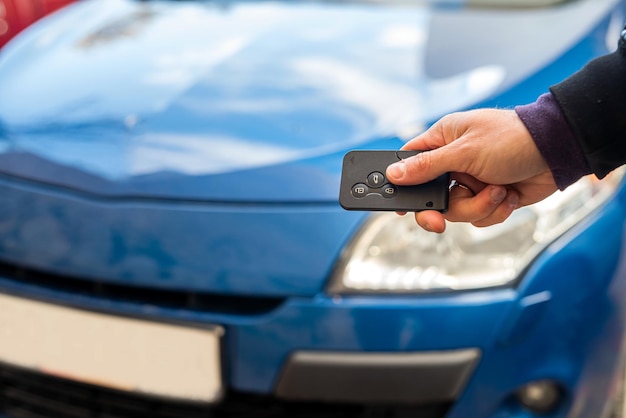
{"type": "Point", "coordinates": [392, 254]}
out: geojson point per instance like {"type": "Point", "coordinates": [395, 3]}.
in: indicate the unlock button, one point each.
{"type": "Point", "coordinates": [359, 190]}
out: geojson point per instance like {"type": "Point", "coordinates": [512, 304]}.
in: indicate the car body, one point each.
{"type": "Point", "coordinates": [15, 15]}
{"type": "Point", "coordinates": [171, 241]}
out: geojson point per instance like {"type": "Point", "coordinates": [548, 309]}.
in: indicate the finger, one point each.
{"type": "Point", "coordinates": [428, 165]}
{"type": "Point", "coordinates": [463, 207]}
{"type": "Point", "coordinates": [459, 190]}
{"type": "Point", "coordinates": [418, 169]}
{"type": "Point", "coordinates": [435, 158]}
{"type": "Point", "coordinates": [467, 182]}
{"type": "Point", "coordinates": [431, 221]}
{"type": "Point", "coordinates": [502, 212]}
{"type": "Point", "coordinates": [492, 205]}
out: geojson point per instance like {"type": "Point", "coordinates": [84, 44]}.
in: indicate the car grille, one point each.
{"type": "Point", "coordinates": [166, 298]}
{"type": "Point", "coordinates": [32, 395]}
{"type": "Point", "coordinates": [27, 394]}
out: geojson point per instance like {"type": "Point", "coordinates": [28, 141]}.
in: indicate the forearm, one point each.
{"type": "Point", "coordinates": [580, 127]}
{"type": "Point", "coordinates": [593, 102]}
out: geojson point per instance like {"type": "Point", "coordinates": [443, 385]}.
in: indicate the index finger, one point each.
{"type": "Point", "coordinates": [420, 168]}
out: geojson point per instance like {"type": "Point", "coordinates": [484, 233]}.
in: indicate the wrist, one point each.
{"type": "Point", "coordinates": [554, 139]}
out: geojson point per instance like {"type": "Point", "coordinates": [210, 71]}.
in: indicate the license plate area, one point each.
{"type": "Point", "coordinates": [129, 354]}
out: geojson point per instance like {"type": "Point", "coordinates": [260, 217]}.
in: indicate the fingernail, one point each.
{"type": "Point", "coordinates": [396, 170]}
{"type": "Point", "coordinates": [497, 194]}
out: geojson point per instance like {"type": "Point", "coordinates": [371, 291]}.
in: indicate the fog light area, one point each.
{"type": "Point", "coordinates": [540, 397]}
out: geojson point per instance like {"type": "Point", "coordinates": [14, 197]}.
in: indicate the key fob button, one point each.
{"type": "Point", "coordinates": [359, 190]}
{"type": "Point", "coordinates": [376, 179]}
{"type": "Point", "coordinates": [389, 190]}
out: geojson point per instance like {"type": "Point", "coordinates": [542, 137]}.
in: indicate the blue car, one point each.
{"type": "Point", "coordinates": [171, 242]}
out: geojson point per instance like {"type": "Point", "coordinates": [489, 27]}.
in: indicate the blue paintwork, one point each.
{"type": "Point", "coordinates": [188, 246]}
{"type": "Point", "coordinates": [234, 103]}
{"type": "Point", "coordinates": [129, 112]}
{"type": "Point", "coordinates": [208, 159]}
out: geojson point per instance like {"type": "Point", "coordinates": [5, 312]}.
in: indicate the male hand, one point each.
{"type": "Point", "coordinates": [491, 153]}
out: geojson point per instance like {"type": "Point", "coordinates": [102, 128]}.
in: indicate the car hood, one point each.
{"type": "Point", "coordinates": [241, 101]}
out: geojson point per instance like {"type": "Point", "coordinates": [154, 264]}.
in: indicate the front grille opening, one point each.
{"type": "Point", "coordinates": [28, 394]}
{"type": "Point", "coordinates": [166, 298]}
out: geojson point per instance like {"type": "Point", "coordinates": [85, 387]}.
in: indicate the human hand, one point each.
{"type": "Point", "coordinates": [491, 152]}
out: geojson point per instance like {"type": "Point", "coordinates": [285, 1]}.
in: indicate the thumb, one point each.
{"type": "Point", "coordinates": [419, 168]}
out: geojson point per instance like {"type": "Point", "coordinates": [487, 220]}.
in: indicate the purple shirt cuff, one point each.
{"type": "Point", "coordinates": [555, 140]}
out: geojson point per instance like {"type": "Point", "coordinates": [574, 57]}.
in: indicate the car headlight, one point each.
{"type": "Point", "coordinates": [391, 254]}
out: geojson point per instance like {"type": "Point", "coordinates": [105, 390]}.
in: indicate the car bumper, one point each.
{"type": "Point", "coordinates": [360, 350]}
{"type": "Point", "coordinates": [420, 377]}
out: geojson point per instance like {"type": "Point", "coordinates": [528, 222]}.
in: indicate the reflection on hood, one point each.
{"type": "Point", "coordinates": [135, 89]}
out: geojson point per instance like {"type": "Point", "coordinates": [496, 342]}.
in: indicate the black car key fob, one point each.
{"type": "Point", "coordinates": [364, 185]}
